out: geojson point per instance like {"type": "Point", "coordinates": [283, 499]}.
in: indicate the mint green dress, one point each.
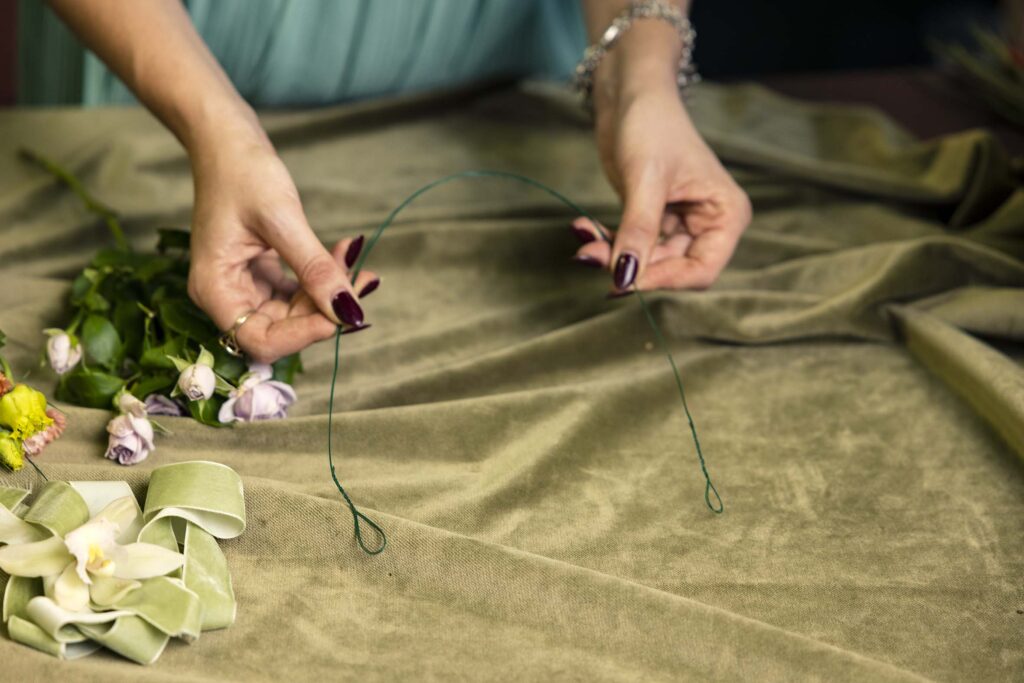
{"type": "Point", "coordinates": [313, 52]}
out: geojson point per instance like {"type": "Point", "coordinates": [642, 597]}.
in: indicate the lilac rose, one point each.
{"type": "Point", "coordinates": [131, 439]}
{"type": "Point", "coordinates": [258, 397]}
{"type": "Point", "coordinates": [158, 404]}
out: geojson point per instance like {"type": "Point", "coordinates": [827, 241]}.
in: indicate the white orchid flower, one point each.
{"type": "Point", "coordinates": [88, 563]}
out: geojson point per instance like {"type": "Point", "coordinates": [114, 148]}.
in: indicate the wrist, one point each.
{"type": "Point", "coordinates": [213, 129]}
{"type": "Point", "coordinates": [644, 61]}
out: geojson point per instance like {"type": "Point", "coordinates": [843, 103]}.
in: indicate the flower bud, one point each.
{"type": "Point", "coordinates": [62, 353]}
{"type": "Point", "coordinates": [197, 382]}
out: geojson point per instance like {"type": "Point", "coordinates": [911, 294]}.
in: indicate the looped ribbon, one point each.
{"type": "Point", "coordinates": [188, 507]}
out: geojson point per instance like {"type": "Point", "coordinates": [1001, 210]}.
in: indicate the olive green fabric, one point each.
{"type": "Point", "coordinates": [855, 376]}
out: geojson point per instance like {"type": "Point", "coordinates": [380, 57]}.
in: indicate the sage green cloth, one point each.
{"type": "Point", "coordinates": [855, 375]}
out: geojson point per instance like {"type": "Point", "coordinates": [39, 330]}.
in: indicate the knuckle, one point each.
{"type": "Point", "coordinates": [319, 271]}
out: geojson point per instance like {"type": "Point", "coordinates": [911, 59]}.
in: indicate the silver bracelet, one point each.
{"type": "Point", "coordinates": [583, 78]}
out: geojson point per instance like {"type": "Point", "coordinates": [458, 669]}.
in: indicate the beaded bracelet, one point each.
{"type": "Point", "coordinates": [583, 78]}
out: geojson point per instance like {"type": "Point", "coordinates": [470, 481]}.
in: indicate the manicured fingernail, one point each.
{"type": "Point", "coordinates": [588, 261]}
{"type": "Point", "coordinates": [347, 310]}
{"type": "Point", "coordinates": [370, 287]}
{"type": "Point", "coordinates": [584, 236]}
{"type": "Point", "coordinates": [618, 295]}
{"type": "Point", "coordinates": [358, 328]}
{"type": "Point", "coordinates": [352, 253]}
{"type": "Point", "coordinates": [625, 270]}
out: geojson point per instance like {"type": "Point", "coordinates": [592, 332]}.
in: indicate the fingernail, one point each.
{"type": "Point", "coordinates": [584, 236]}
{"type": "Point", "coordinates": [618, 295]}
{"type": "Point", "coordinates": [625, 270]}
{"type": "Point", "coordinates": [352, 253]}
{"type": "Point", "coordinates": [357, 328]}
{"type": "Point", "coordinates": [585, 260]}
{"type": "Point", "coordinates": [370, 287]}
{"type": "Point", "coordinates": [347, 310]}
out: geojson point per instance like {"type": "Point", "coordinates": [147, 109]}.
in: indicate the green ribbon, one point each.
{"type": "Point", "coordinates": [188, 507]}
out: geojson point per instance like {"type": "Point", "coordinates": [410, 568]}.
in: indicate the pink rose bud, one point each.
{"type": "Point", "coordinates": [197, 382]}
{"type": "Point", "coordinates": [130, 440]}
{"type": "Point", "coordinates": [61, 352]}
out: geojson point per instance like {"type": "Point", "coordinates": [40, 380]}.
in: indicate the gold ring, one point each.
{"type": "Point", "coordinates": [229, 340]}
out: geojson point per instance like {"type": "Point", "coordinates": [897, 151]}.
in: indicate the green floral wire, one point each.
{"type": "Point", "coordinates": [709, 487]}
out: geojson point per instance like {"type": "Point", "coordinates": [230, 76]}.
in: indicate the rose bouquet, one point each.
{"type": "Point", "coordinates": [135, 341]}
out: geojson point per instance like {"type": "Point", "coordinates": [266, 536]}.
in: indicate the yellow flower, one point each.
{"type": "Point", "coordinates": [11, 453]}
{"type": "Point", "coordinates": [23, 411]}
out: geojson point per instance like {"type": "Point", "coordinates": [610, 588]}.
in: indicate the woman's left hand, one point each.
{"type": "Point", "coordinates": [683, 213]}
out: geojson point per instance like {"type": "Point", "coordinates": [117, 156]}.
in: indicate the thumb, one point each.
{"type": "Point", "coordinates": [319, 274]}
{"type": "Point", "coordinates": [638, 232]}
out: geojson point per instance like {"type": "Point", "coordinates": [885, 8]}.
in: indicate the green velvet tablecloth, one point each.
{"type": "Point", "coordinates": [855, 375]}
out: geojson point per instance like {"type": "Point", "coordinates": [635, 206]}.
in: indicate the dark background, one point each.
{"type": "Point", "coordinates": [750, 38]}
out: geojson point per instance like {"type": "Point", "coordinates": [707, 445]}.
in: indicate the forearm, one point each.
{"type": "Point", "coordinates": [645, 57]}
{"type": "Point", "coordinates": [152, 46]}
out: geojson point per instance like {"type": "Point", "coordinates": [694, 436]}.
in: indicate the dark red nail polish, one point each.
{"type": "Point", "coordinates": [588, 261]}
{"type": "Point", "coordinates": [625, 270]}
{"type": "Point", "coordinates": [370, 287]}
{"type": "Point", "coordinates": [352, 253]}
{"type": "Point", "coordinates": [584, 236]}
{"type": "Point", "coordinates": [358, 328]}
{"type": "Point", "coordinates": [347, 310]}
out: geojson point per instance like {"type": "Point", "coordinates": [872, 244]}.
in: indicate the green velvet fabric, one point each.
{"type": "Point", "coordinates": [855, 375]}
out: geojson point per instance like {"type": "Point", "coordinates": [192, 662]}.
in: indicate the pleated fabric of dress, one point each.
{"type": "Point", "coordinates": [288, 53]}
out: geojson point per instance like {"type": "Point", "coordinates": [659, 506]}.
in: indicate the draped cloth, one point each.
{"type": "Point", "coordinates": [855, 375]}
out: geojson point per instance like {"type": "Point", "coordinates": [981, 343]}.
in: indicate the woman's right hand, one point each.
{"type": "Point", "coordinates": [247, 218]}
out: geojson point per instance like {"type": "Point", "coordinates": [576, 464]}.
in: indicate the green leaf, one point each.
{"type": "Point", "coordinates": [90, 389]}
{"type": "Point", "coordinates": [285, 368]}
{"type": "Point", "coordinates": [206, 410]}
{"type": "Point", "coordinates": [156, 357]}
{"type": "Point", "coordinates": [172, 238]}
{"type": "Point", "coordinates": [227, 366]}
{"type": "Point", "coordinates": [3, 339]}
{"type": "Point", "coordinates": [154, 384]}
{"type": "Point", "coordinates": [131, 322]}
{"type": "Point", "coordinates": [96, 302]}
{"type": "Point", "coordinates": [101, 340]}
{"type": "Point", "coordinates": [153, 267]}
{"type": "Point", "coordinates": [114, 258]}
{"type": "Point", "coordinates": [181, 316]}
{"type": "Point", "coordinates": [79, 288]}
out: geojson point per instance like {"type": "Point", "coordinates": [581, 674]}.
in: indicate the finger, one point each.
{"type": "Point", "coordinates": [639, 231]}
{"type": "Point", "coordinates": [265, 339]}
{"type": "Point", "coordinates": [267, 269]}
{"type": "Point", "coordinates": [366, 283]}
{"type": "Point", "coordinates": [320, 275]}
{"type": "Point", "coordinates": [587, 231]}
{"type": "Point", "coordinates": [596, 254]}
{"type": "Point", "coordinates": [698, 269]}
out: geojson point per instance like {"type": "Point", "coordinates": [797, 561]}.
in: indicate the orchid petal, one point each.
{"type": "Point", "coordinates": [97, 535]}
{"type": "Point", "coordinates": [144, 560]}
{"type": "Point", "coordinates": [41, 558]}
{"type": "Point", "coordinates": [70, 592]}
